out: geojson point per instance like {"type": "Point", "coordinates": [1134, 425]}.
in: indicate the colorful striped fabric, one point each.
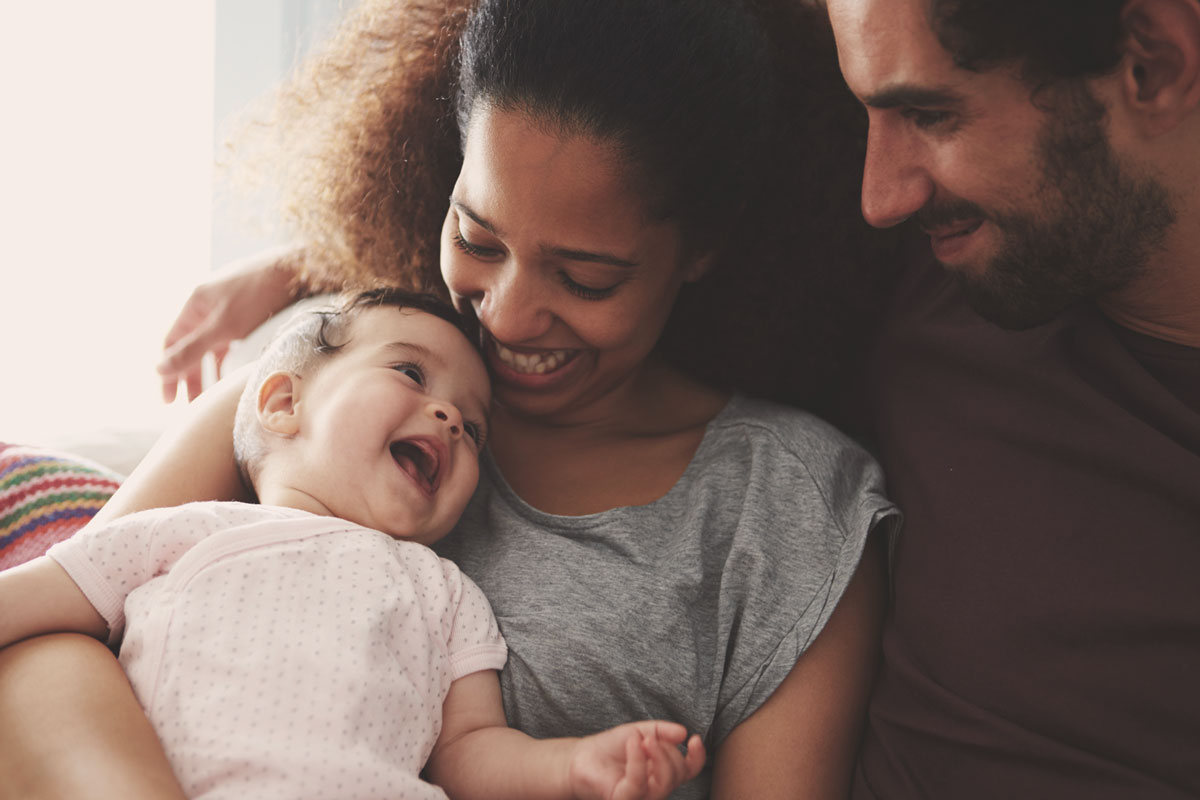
{"type": "Point", "coordinates": [45, 496]}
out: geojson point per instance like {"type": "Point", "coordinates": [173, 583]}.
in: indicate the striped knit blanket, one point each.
{"type": "Point", "coordinates": [45, 496]}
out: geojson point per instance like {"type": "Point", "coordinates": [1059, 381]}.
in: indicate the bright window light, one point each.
{"type": "Point", "coordinates": [105, 189]}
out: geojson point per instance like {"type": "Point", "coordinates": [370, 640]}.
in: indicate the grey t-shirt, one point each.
{"type": "Point", "coordinates": [691, 608]}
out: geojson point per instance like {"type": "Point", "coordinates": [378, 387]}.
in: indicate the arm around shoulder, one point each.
{"type": "Point", "coordinates": [192, 462]}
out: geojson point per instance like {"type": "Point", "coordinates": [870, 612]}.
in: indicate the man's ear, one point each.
{"type": "Point", "coordinates": [1160, 69]}
{"type": "Point", "coordinates": [278, 403]}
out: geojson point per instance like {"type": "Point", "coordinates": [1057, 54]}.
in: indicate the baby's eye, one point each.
{"type": "Point", "coordinates": [412, 371]}
{"type": "Point", "coordinates": [475, 431]}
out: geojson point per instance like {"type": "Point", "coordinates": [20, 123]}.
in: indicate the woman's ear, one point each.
{"type": "Point", "coordinates": [278, 403]}
{"type": "Point", "coordinates": [1160, 70]}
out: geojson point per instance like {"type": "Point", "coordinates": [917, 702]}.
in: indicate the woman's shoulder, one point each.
{"type": "Point", "coordinates": [786, 455]}
{"type": "Point", "coordinates": [793, 431]}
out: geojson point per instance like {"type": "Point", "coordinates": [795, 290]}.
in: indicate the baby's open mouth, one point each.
{"type": "Point", "coordinates": [420, 460]}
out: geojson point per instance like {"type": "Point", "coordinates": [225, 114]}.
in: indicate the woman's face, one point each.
{"type": "Point", "coordinates": [569, 277]}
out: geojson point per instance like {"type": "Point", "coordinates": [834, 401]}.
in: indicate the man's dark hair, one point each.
{"type": "Point", "coordinates": [1050, 40]}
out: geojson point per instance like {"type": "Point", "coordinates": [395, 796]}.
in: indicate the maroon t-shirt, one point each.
{"type": "Point", "coordinates": [1044, 640]}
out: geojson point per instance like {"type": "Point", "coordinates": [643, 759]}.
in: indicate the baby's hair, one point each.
{"type": "Point", "coordinates": [305, 344]}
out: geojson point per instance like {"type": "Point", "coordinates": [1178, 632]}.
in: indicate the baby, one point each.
{"type": "Point", "coordinates": [313, 645]}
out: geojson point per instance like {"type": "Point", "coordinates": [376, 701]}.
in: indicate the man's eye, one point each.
{"type": "Point", "coordinates": [924, 118]}
{"type": "Point", "coordinates": [412, 371]}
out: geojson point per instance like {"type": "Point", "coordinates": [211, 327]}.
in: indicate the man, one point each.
{"type": "Point", "coordinates": [1039, 397]}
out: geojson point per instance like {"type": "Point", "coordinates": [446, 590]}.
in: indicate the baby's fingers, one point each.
{"type": "Point", "coordinates": [633, 784]}
{"type": "Point", "coordinates": [667, 767]}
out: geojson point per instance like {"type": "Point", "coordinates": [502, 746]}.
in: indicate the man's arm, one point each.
{"type": "Point", "coordinates": [39, 597]}
{"type": "Point", "coordinates": [478, 755]}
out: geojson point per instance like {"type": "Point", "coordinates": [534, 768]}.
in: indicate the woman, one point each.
{"type": "Point", "coordinates": [652, 545]}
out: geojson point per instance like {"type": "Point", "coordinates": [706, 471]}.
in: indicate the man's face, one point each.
{"type": "Point", "coordinates": [1027, 204]}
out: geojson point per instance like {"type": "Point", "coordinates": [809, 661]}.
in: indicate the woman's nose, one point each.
{"type": "Point", "coordinates": [514, 306]}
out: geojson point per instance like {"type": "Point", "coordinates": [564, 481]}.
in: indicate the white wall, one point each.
{"type": "Point", "coordinates": [111, 110]}
{"type": "Point", "coordinates": [105, 175]}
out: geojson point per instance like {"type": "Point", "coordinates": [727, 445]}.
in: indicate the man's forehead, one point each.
{"type": "Point", "coordinates": [887, 43]}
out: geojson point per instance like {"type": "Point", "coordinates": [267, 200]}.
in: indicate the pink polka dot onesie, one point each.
{"type": "Point", "coordinates": [283, 654]}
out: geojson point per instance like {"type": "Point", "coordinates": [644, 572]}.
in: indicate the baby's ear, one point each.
{"type": "Point", "coordinates": [278, 403]}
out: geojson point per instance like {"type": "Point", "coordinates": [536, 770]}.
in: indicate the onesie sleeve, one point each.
{"type": "Point", "coordinates": [474, 642]}
{"type": "Point", "coordinates": [110, 561]}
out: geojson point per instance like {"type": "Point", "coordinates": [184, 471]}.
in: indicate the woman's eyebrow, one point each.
{"type": "Point", "coordinates": [591, 258]}
{"type": "Point", "coordinates": [567, 253]}
{"type": "Point", "coordinates": [462, 208]}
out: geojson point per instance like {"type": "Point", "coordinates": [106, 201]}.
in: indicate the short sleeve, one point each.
{"type": "Point", "coordinates": [816, 498]}
{"type": "Point", "coordinates": [110, 561]}
{"type": "Point", "coordinates": [474, 643]}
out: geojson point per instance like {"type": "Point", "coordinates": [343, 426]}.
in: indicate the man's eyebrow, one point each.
{"type": "Point", "coordinates": [905, 95]}
{"type": "Point", "coordinates": [561, 252]}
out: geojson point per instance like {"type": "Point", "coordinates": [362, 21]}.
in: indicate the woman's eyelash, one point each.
{"type": "Point", "coordinates": [468, 248]}
{"type": "Point", "coordinates": [572, 286]}
{"type": "Point", "coordinates": [586, 292]}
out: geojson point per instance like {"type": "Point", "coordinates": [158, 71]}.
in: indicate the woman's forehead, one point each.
{"type": "Point", "coordinates": [522, 177]}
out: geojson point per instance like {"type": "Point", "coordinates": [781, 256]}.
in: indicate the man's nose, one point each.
{"type": "Point", "coordinates": [896, 183]}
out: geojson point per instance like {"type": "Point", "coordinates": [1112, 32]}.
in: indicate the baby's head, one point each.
{"type": "Point", "coordinates": [375, 412]}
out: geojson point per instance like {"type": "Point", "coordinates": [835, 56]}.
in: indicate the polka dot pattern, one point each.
{"type": "Point", "coordinates": [281, 654]}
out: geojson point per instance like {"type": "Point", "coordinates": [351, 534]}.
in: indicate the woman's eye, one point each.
{"type": "Point", "coordinates": [473, 249]}
{"type": "Point", "coordinates": [412, 371]}
{"type": "Point", "coordinates": [586, 292]}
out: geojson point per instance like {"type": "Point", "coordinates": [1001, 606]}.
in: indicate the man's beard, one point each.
{"type": "Point", "coordinates": [1092, 235]}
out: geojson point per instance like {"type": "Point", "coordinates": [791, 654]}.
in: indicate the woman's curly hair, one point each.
{"type": "Point", "coordinates": [363, 146]}
{"type": "Point", "coordinates": [369, 150]}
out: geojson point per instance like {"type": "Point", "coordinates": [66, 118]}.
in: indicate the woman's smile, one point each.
{"type": "Point", "coordinates": [531, 368]}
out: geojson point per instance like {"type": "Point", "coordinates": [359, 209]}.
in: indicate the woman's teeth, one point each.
{"type": "Point", "coordinates": [532, 363]}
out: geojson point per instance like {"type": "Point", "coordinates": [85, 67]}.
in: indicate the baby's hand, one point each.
{"type": "Point", "coordinates": [633, 761]}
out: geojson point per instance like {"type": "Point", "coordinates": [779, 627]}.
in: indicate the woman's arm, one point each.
{"type": "Point", "coordinates": [801, 743]}
{"type": "Point", "coordinates": [71, 727]}
{"type": "Point", "coordinates": [228, 306]}
{"type": "Point", "coordinates": [193, 461]}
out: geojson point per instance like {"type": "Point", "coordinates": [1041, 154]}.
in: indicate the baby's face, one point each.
{"type": "Point", "coordinates": [391, 428]}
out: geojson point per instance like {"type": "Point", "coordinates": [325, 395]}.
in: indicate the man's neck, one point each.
{"type": "Point", "coordinates": [1165, 301]}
